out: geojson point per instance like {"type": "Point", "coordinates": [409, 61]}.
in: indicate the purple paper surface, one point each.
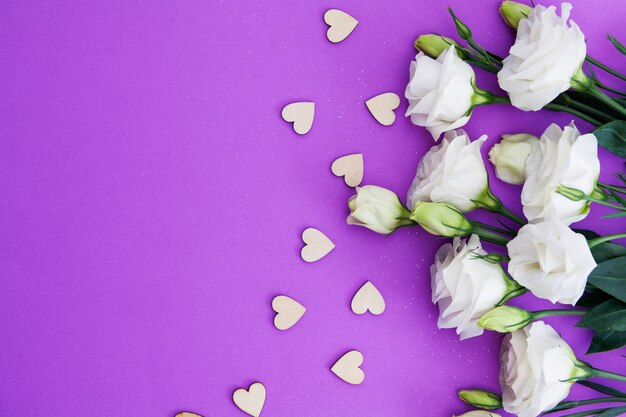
{"type": "Point", "coordinates": [152, 201]}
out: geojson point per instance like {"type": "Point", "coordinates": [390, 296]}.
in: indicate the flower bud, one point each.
{"type": "Point", "coordinates": [441, 219]}
{"type": "Point", "coordinates": [512, 12]}
{"type": "Point", "coordinates": [462, 29]}
{"type": "Point", "coordinates": [434, 45]}
{"type": "Point", "coordinates": [573, 194]}
{"type": "Point", "coordinates": [509, 156]}
{"type": "Point", "coordinates": [486, 400]}
{"type": "Point", "coordinates": [479, 413]}
{"type": "Point", "coordinates": [378, 209]}
{"type": "Point", "coordinates": [505, 319]}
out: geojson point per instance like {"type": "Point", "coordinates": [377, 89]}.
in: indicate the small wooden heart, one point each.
{"type": "Point", "coordinates": [187, 414]}
{"type": "Point", "coordinates": [382, 107]}
{"type": "Point", "coordinates": [350, 167]}
{"type": "Point", "coordinates": [347, 367]}
{"type": "Point", "coordinates": [288, 312]}
{"type": "Point", "coordinates": [341, 25]}
{"type": "Point", "coordinates": [317, 245]}
{"type": "Point", "coordinates": [250, 401]}
{"type": "Point", "coordinates": [368, 298]}
{"type": "Point", "coordinates": [300, 114]}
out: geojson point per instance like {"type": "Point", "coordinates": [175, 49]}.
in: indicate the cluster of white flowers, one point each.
{"type": "Point", "coordinates": [545, 256]}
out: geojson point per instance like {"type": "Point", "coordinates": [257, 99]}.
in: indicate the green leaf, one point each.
{"type": "Point", "coordinates": [610, 277]}
{"type": "Point", "coordinates": [613, 412]}
{"type": "Point", "coordinates": [592, 297]}
{"type": "Point", "coordinates": [605, 250]}
{"type": "Point", "coordinates": [611, 392]}
{"type": "Point", "coordinates": [610, 315]}
{"type": "Point", "coordinates": [605, 340]}
{"type": "Point", "coordinates": [614, 215]}
{"type": "Point", "coordinates": [621, 48]}
{"type": "Point", "coordinates": [612, 136]}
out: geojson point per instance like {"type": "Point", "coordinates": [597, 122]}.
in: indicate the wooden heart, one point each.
{"type": "Point", "coordinates": [368, 298]}
{"type": "Point", "coordinates": [317, 245]}
{"type": "Point", "coordinates": [288, 310]}
{"type": "Point", "coordinates": [301, 114]}
{"type": "Point", "coordinates": [382, 107]}
{"type": "Point", "coordinates": [250, 401]}
{"type": "Point", "coordinates": [341, 25]}
{"type": "Point", "coordinates": [350, 167]}
{"type": "Point", "coordinates": [347, 367]}
{"type": "Point", "coordinates": [187, 414]}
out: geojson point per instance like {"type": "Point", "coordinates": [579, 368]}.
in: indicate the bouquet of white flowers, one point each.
{"type": "Point", "coordinates": [541, 253]}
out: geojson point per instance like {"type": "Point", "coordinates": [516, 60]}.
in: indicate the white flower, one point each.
{"type": "Point", "coordinates": [440, 92]}
{"type": "Point", "coordinates": [560, 157]}
{"type": "Point", "coordinates": [551, 260]}
{"type": "Point", "coordinates": [465, 287]}
{"type": "Point", "coordinates": [452, 172]}
{"type": "Point", "coordinates": [545, 57]}
{"type": "Point", "coordinates": [378, 209]}
{"type": "Point", "coordinates": [509, 157]}
{"type": "Point", "coordinates": [537, 370]}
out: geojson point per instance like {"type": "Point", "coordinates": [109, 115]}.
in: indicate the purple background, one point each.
{"type": "Point", "coordinates": [152, 200]}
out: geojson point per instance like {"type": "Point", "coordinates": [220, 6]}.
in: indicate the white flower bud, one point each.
{"type": "Point", "coordinates": [378, 209]}
{"type": "Point", "coordinates": [509, 156]}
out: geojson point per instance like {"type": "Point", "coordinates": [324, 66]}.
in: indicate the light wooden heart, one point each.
{"type": "Point", "coordinates": [317, 245]}
{"type": "Point", "coordinates": [301, 114]}
{"type": "Point", "coordinates": [250, 401]}
{"type": "Point", "coordinates": [368, 298]}
{"type": "Point", "coordinates": [350, 167]}
{"type": "Point", "coordinates": [288, 310]}
{"type": "Point", "coordinates": [382, 107]}
{"type": "Point", "coordinates": [341, 25]}
{"type": "Point", "coordinates": [347, 367]}
{"type": "Point", "coordinates": [187, 414]}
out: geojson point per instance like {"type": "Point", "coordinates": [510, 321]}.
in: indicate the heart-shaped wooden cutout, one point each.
{"type": "Point", "coordinates": [288, 310]}
{"type": "Point", "coordinates": [347, 367]}
{"type": "Point", "coordinates": [368, 298]}
{"type": "Point", "coordinates": [317, 245]}
{"type": "Point", "coordinates": [250, 401]}
{"type": "Point", "coordinates": [341, 25]}
{"type": "Point", "coordinates": [187, 414]}
{"type": "Point", "coordinates": [350, 167]}
{"type": "Point", "coordinates": [382, 107]}
{"type": "Point", "coordinates": [301, 114]}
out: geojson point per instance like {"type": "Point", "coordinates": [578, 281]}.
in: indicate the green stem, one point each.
{"type": "Point", "coordinates": [597, 93]}
{"type": "Point", "coordinates": [489, 201]}
{"type": "Point", "coordinates": [608, 375]}
{"type": "Point", "coordinates": [605, 68]}
{"type": "Point", "coordinates": [560, 107]}
{"type": "Point", "coordinates": [488, 236]}
{"type": "Point", "coordinates": [607, 88]}
{"type": "Point", "coordinates": [586, 413]}
{"type": "Point", "coordinates": [597, 114]}
{"type": "Point", "coordinates": [510, 215]}
{"type": "Point", "coordinates": [557, 312]}
{"type": "Point", "coordinates": [602, 239]}
{"type": "Point", "coordinates": [615, 188]}
{"type": "Point", "coordinates": [497, 230]}
{"type": "Point", "coordinates": [603, 389]}
{"type": "Point", "coordinates": [566, 405]}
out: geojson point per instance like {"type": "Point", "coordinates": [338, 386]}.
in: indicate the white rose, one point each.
{"type": "Point", "coordinates": [551, 260]}
{"type": "Point", "coordinates": [440, 92]}
{"type": "Point", "coordinates": [537, 370]}
{"type": "Point", "coordinates": [509, 157]}
{"type": "Point", "coordinates": [560, 157]}
{"type": "Point", "coordinates": [452, 172]}
{"type": "Point", "coordinates": [546, 55]}
{"type": "Point", "coordinates": [465, 287]}
{"type": "Point", "coordinates": [378, 209]}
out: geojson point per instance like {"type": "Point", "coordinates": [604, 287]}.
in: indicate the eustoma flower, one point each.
{"type": "Point", "coordinates": [537, 370]}
{"type": "Point", "coordinates": [440, 92]}
{"type": "Point", "coordinates": [560, 158]}
{"type": "Point", "coordinates": [465, 287]}
{"type": "Point", "coordinates": [546, 56]}
{"type": "Point", "coordinates": [509, 157]}
{"type": "Point", "coordinates": [551, 260]}
{"type": "Point", "coordinates": [378, 209]}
